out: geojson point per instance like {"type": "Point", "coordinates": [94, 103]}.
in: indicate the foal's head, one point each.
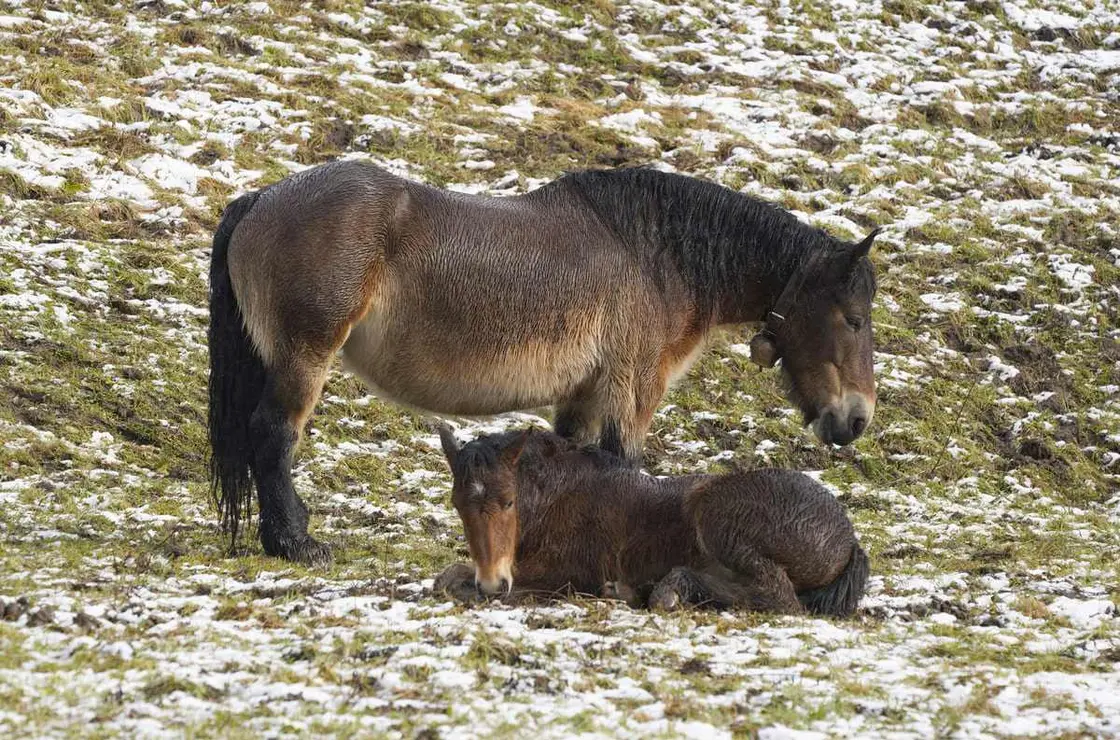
{"type": "Point", "coordinates": [484, 492]}
{"type": "Point", "coordinates": [820, 328]}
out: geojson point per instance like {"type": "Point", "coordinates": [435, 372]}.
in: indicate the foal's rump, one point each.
{"type": "Point", "coordinates": [782, 516]}
{"type": "Point", "coordinates": [841, 596]}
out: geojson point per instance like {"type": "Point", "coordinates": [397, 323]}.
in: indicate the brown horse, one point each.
{"type": "Point", "coordinates": [592, 293]}
{"type": "Point", "coordinates": [543, 516]}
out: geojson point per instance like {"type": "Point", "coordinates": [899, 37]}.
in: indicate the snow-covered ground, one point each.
{"type": "Point", "coordinates": [983, 136]}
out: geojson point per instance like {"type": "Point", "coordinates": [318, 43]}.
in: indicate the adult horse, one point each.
{"type": "Point", "coordinates": [592, 293]}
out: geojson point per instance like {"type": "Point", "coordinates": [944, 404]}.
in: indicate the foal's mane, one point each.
{"type": "Point", "coordinates": [717, 238]}
{"type": "Point", "coordinates": [541, 445]}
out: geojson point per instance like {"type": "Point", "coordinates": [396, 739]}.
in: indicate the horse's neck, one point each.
{"type": "Point", "coordinates": [756, 284]}
{"type": "Point", "coordinates": [733, 253]}
{"type": "Point", "coordinates": [753, 256]}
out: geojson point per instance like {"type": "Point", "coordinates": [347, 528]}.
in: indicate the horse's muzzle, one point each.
{"type": "Point", "coordinates": [842, 423]}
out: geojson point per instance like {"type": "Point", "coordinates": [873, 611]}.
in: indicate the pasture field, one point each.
{"type": "Point", "coordinates": [982, 135]}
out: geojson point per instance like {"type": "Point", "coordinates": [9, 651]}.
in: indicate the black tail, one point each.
{"type": "Point", "coordinates": [237, 378]}
{"type": "Point", "coordinates": [840, 597]}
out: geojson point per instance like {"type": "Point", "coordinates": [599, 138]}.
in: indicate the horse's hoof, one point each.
{"type": "Point", "coordinates": [304, 550]}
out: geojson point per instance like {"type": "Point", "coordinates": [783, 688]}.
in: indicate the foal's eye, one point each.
{"type": "Point", "coordinates": [506, 505]}
{"type": "Point", "coordinates": [855, 322]}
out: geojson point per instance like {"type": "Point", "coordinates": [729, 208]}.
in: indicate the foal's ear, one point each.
{"type": "Point", "coordinates": [512, 452]}
{"type": "Point", "coordinates": [451, 445]}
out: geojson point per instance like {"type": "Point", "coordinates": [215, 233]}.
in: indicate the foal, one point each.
{"type": "Point", "coordinates": [557, 517]}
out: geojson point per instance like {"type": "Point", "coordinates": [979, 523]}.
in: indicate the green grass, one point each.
{"type": "Point", "coordinates": [964, 476]}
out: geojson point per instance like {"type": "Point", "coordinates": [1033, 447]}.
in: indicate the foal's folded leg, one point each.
{"type": "Point", "coordinates": [682, 586]}
{"type": "Point", "coordinates": [765, 587]}
{"type": "Point", "coordinates": [756, 583]}
{"type": "Point", "coordinates": [457, 581]}
{"type": "Point", "coordinates": [620, 591]}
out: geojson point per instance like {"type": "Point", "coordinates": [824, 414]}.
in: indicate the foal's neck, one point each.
{"type": "Point", "coordinates": [570, 483]}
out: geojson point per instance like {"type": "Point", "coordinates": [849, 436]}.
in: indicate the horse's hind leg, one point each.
{"type": "Point", "coordinates": [291, 391]}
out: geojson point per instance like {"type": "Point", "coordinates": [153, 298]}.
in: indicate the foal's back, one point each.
{"type": "Point", "coordinates": [588, 518]}
{"type": "Point", "coordinates": [781, 515]}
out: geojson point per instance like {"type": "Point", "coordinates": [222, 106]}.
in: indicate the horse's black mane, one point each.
{"type": "Point", "coordinates": [717, 238]}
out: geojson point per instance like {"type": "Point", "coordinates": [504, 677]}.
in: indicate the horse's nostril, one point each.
{"type": "Point", "coordinates": [505, 585]}
{"type": "Point", "coordinates": [858, 425]}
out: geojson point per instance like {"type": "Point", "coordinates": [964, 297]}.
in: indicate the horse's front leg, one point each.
{"type": "Point", "coordinates": [627, 412]}
{"type": "Point", "coordinates": [577, 418]}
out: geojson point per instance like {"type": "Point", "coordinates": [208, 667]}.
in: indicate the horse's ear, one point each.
{"type": "Point", "coordinates": [451, 445]}
{"type": "Point", "coordinates": [864, 247]}
{"type": "Point", "coordinates": [512, 452]}
{"type": "Point", "coordinates": [763, 350]}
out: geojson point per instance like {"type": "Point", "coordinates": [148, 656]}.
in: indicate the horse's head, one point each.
{"type": "Point", "coordinates": [484, 492]}
{"type": "Point", "coordinates": [820, 328]}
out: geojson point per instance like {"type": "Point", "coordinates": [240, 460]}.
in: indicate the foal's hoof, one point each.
{"type": "Point", "coordinates": [665, 600]}
{"type": "Point", "coordinates": [620, 592]}
{"type": "Point", "coordinates": [457, 582]}
{"type": "Point", "coordinates": [305, 550]}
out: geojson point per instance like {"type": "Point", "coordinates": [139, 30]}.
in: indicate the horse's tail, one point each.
{"type": "Point", "coordinates": [237, 378]}
{"type": "Point", "coordinates": [840, 597]}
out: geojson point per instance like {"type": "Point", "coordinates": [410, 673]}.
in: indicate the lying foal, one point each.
{"type": "Point", "coordinates": [564, 518]}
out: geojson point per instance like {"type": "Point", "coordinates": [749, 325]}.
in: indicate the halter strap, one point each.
{"type": "Point", "coordinates": [782, 307]}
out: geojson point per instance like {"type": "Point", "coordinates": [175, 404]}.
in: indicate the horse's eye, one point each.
{"type": "Point", "coordinates": [507, 504]}
{"type": "Point", "coordinates": [855, 322]}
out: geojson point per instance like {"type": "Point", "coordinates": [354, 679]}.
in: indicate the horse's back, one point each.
{"type": "Point", "coordinates": [541, 246]}
{"type": "Point", "coordinates": [493, 304]}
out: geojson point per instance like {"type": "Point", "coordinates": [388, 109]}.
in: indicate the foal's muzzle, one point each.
{"type": "Point", "coordinates": [498, 582]}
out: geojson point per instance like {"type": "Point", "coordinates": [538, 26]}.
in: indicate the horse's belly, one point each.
{"type": "Point", "coordinates": [452, 376]}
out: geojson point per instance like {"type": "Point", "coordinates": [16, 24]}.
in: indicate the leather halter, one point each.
{"type": "Point", "coordinates": [782, 307]}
